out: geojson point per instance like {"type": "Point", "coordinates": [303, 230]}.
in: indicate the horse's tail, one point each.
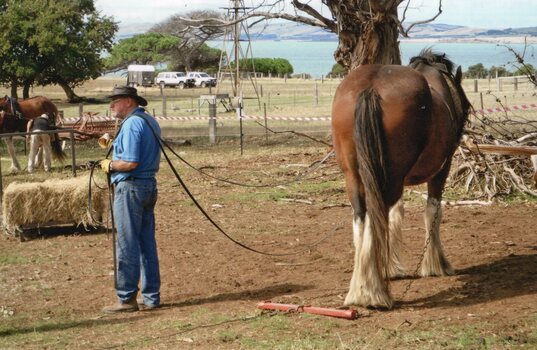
{"type": "Point", "coordinates": [373, 169]}
{"type": "Point", "coordinates": [56, 116]}
{"type": "Point", "coordinates": [56, 146]}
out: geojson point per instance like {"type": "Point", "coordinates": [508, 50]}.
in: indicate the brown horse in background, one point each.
{"type": "Point", "coordinates": [16, 116]}
{"type": "Point", "coordinates": [394, 126]}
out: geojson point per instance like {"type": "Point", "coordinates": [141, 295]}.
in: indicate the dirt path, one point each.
{"type": "Point", "coordinates": [57, 283]}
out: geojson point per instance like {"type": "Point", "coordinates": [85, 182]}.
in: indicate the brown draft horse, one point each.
{"type": "Point", "coordinates": [394, 126]}
{"type": "Point", "coordinates": [29, 109]}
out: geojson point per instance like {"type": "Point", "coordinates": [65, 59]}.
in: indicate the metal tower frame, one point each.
{"type": "Point", "coordinates": [233, 34]}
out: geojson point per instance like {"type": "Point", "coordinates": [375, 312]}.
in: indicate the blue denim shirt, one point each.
{"type": "Point", "coordinates": [137, 143]}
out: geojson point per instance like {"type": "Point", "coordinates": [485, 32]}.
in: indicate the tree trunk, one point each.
{"type": "Point", "coordinates": [26, 90]}
{"type": "Point", "coordinates": [367, 34]}
{"type": "Point", "coordinates": [71, 96]}
{"type": "Point", "coordinates": [14, 87]}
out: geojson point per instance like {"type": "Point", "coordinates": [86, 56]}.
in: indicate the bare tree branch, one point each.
{"type": "Point", "coordinates": [330, 24]}
{"type": "Point", "coordinates": [405, 32]}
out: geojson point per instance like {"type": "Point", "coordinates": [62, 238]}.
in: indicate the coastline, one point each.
{"type": "Point", "coordinates": [529, 40]}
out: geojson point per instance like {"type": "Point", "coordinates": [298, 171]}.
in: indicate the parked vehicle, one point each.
{"type": "Point", "coordinates": [202, 79]}
{"type": "Point", "coordinates": [178, 79]}
{"type": "Point", "coordinates": [140, 75]}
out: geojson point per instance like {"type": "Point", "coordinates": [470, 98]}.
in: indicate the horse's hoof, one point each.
{"type": "Point", "coordinates": [380, 301]}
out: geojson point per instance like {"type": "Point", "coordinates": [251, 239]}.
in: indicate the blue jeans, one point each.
{"type": "Point", "coordinates": [134, 217]}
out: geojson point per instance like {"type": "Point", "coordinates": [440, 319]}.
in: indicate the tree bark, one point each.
{"type": "Point", "coordinates": [14, 87]}
{"type": "Point", "coordinates": [71, 96]}
{"type": "Point", "coordinates": [26, 90]}
{"type": "Point", "coordinates": [368, 32]}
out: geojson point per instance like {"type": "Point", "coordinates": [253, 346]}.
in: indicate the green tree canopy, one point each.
{"type": "Point", "coordinates": [267, 65]}
{"type": "Point", "coordinates": [204, 58]}
{"type": "Point", "coordinates": [501, 71]}
{"type": "Point", "coordinates": [526, 69]}
{"type": "Point", "coordinates": [52, 42]}
{"type": "Point", "coordinates": [338, 69]}
{"type": "Point", "coordinates": [477, 71]}
{"type": "Point", "coordinates": [149, 48]}
{"type": "Point", "coordinates": [193, 53]}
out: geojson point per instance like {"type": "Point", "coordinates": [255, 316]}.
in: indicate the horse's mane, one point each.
{"type": "Point", "coordinates": [442, 63]}
{"type": "Point", "coordinates": [434, 59]}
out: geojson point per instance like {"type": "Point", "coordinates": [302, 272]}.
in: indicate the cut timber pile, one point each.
{"type": "Point", "coordinates": [53, 202]}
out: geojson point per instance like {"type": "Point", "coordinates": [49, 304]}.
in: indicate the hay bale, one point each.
{"type": "Point", "coordinates": [32, 204]}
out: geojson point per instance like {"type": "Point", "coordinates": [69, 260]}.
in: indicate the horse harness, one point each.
{"type": "Point", "coordinates": [15, 107]}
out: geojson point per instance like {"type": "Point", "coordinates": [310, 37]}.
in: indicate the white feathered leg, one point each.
{"type": "Point", "coordinates": [47, 151]}
{"type": "Point", "coordinates": [15, 166]}
{"type": "Point", "coordinates": [434, 261]}
{"type": "Point", "coordinates": [35, 142]}
{"type": "Point", "coordinates": [395, 267]}
{"type": "Point", "coordinates": [367, 287]}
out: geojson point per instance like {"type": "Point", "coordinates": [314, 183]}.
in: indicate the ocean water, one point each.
{"type": "Point", "coordinates": [316, 57]}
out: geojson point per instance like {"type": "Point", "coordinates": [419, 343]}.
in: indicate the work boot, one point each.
{"type": "Point", "coordinates": [145, 306]}
{"type": "Point", "coordinates": [130, 306]}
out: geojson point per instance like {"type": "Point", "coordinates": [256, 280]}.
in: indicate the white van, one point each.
{"type": "Point", "coordinates": [173, 79]}
{"type": "Point", "coordinates": [202, 79]}
{"type": "Point", "coordinates": [140, 75]}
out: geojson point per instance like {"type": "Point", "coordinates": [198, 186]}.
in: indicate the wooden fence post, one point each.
{"type": "Point", "coordinates": [212, 121]}
{"type": "Point", "coordinates": [266, 124]}
{"type": "Point", "coordinates": [164, 114]}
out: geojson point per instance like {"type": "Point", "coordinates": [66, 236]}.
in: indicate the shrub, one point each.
{"type": "Point", "coordinates": [267, 65]}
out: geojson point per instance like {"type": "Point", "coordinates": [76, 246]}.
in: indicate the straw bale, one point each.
{"type": "Point", "coordinates": [32, 204]}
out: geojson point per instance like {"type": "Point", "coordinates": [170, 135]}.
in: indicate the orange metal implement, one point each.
{"type": "Point", "coordinates": [346, 314]}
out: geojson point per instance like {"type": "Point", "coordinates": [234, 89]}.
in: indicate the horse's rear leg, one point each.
{"type": "Point", "coordinates": [15, 166]}
{"type": "Point", "coordinates": [435, 262]}
{"type": "Point", "coordinates": [395, 267]}
{"type": "Point", "coordinates": [367, 287]}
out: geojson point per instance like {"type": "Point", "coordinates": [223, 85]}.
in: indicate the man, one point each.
{"type": "Point", "coordinates": [40, 123]}
{"type": "Point", "coordinates": [134, 164]}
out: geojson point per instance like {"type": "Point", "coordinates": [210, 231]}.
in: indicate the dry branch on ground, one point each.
{"type": "Point", "coordinates": [498, 156]}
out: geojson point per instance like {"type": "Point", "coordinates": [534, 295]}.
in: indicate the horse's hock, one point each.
{"type": "Point", "coordinates": [53, 202]}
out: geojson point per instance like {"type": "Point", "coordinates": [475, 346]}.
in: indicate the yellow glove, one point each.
{"type": "Point", "coordinates": [105, 165]}
{"type": "Point", "coordinates": [105, 141]}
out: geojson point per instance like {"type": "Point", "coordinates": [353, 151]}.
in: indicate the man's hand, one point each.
{"type": "Point", "coordinates": [105, 141]}
{"type": "Point", "coordinates": [105, 165]}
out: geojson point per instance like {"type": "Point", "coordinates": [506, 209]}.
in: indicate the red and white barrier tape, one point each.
{"type": "Point", "coordinates": [515, 108]}
{"type": "Point", "coordinates": [524, 107]}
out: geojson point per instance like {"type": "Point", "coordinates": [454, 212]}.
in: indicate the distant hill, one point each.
{"type": "Point", "coordinates": [278, 30]}
{"type": "Point", "coordinates": [297, 31]}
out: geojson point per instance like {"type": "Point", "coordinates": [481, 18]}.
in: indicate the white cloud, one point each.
{"type": "Point", "coordinates": [130, 12]}
{"type": "Point", "coordinates": [474, 13]}
{"type": "Point", "coordinates": [497, 14]}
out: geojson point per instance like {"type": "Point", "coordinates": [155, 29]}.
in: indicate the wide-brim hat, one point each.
{"type": "Point", "coordinates": [130, 92]}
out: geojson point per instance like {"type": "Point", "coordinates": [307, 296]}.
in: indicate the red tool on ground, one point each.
{"type": "Point", "coordinates": [346, 314]}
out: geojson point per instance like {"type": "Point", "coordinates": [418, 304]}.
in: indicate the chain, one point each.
{"type": "Point", "coordinates": [427, 242]}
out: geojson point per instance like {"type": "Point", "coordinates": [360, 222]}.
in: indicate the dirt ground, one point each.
{"type": "Point", "coordinates": [54, 284]}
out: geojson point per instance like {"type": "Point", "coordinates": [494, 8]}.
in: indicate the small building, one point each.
{"type": "Point", "coordinates": [140, 75]}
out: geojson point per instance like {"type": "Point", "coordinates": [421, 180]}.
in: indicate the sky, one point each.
{"type": "Point", "coordinates": [492, 14]}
